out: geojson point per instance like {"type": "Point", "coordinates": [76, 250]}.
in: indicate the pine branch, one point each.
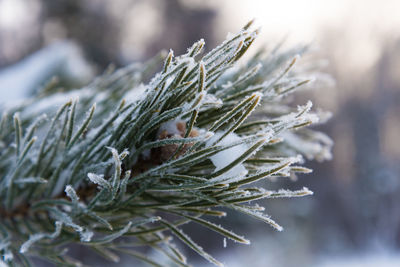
{"type": "Point", "coordinates": [110, 167]}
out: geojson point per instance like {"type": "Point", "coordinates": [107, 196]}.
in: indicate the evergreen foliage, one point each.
{"type": "Point", "coordinates": [123, 164]}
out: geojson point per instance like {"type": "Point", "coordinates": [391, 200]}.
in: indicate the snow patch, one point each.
{"type": "Point", "coordinates": [18, 81]}
{"type": "Point", "coordinates": [136, 93]}
{"type": "Point", "coordinates": [227, 156]}
{"type": "Point", "coordinates": [171, 128]}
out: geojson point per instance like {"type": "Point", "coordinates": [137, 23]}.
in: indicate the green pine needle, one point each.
{"type": "Point", "coordinates": [106, 172]}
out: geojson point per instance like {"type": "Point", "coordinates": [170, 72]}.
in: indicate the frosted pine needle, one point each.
{"type": "Point", "coordinates": [111, 168]}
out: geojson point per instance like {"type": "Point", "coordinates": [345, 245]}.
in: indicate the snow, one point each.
{"type": "Point", "coordinates": [224, 242]}
{"type": "Point", "coordinates": [225, 157]}
{"type": "Point", "coordinates": [52, 102]}
{"type": "Point", "coordinates": [386, 259]}
{"type": "Point", "coordinates": [136, 93]}
{"type": "Point", "coordinates": [17, 82]}
{"type": "Point", "coordinates": [170, 127]}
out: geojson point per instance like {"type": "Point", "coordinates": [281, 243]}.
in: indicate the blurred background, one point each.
{"type": "Point", "coordinates": [354, 217]}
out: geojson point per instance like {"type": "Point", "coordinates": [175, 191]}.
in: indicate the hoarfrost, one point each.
{"type": "Point", "coordinates": [283, 193]}
{"type": "Point", "coordinates": [69, 190]}
{"type": "Point", "coordinates": [86, 236]}
{"type": "Point", "coordinates": [211, 100]}
{"type": "Point", "coordinates": [36, 237]}
{"type": "Point", "coordinates": [99, 180]}
{"type": "Point", "coordinates": [168, 81]}
{"type": "Point", "coordinates": [309, 148]}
